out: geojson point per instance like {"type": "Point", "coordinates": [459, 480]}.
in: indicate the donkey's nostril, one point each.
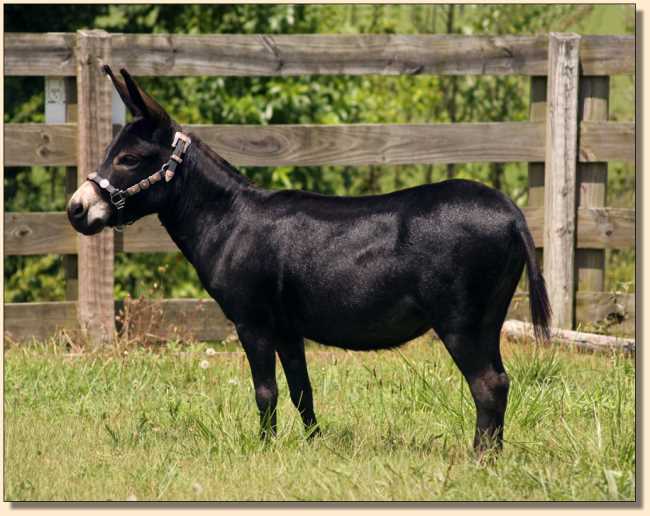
{"type": "Point", "coordinates": [76, 210]}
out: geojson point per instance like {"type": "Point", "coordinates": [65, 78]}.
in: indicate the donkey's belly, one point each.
{"type": "Point", "coordinates": [367, 329]}
{"type": "Point", "coordinates": [367, 339]}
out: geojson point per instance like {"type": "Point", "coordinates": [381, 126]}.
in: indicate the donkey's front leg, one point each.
{"type": "Point", "coordinates": [260, 350]}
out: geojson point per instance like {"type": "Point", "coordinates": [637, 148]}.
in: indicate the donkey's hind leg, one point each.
{"type": "Point", "coordinates": [472, 338]}
{"type": "Point", "coordinates": [473, 341]}
{"type": "Point", "coordinates": [479, 360]}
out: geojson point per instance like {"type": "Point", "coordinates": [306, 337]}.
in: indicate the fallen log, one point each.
{"type": "Point", "coordinates": [581, 340]}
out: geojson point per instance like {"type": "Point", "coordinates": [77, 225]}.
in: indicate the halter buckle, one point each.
{"type": "Point", "coordinates": [118, 199]}
{"type": "Point", "coordinates": [186, 141]}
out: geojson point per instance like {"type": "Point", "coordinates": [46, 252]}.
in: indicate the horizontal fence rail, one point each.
{"type": "Point", "coordinates": [277, 55]}
{"type": "Point", "coordinates": [356, 144]}
{"type": "Point", "coordinates": [51, 232]}
{"type": "Point", "coordinates": [593, 308]}
{"type": "Point", "coordinates": [202, 319]}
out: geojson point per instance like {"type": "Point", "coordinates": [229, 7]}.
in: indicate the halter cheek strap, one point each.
{"type": "Point", "coordinates": [118, 197]}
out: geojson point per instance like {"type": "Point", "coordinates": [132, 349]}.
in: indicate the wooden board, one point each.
{"type": "Point", "coordinates": [598, 228]}
{"type": "Point", "coordinates": [607, 55]}
{"type": "Point", "coordinates": [604, 308]}
{"type": "Point", "coordinates": [269, 55]}
{"type": "Point", "coordinates": [145, 236]}
{"type": "Point", "coordinates": [284, 55]}
{"type": "Point", "coordinates": [24, 321]}
{"type": "Point", "coordinates": [40, 144]}
{"type": "Point", "coordinates": [38, 233]}
{"type": "Point", "coordinates": [607, 141]}
{"type": "Point", "coordinates": [354, 144]}
{"type": "Point", "coordinates": [375, 144]}
{"type": "Point", "coordinates": [29, 54]}
{"type": "Point", "coordinates": [50, 232]}
{"type": "Point", "coordinates": [201, 319]}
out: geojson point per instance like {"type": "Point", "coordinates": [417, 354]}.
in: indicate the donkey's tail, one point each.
{"type": "Point", "coordinates": [540, 308]}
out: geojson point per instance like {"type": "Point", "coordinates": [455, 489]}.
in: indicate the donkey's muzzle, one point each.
{"type": "Point", "coordinates": [87, 211]}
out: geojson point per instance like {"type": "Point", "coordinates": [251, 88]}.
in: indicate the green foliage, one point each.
{"type": "Point", "coordinates": [312, 99]}
{"type": "Point", "coordinates": [622, 276]}
{"type": "Point", "coordinates": [30, 278]}
{"type": "Point", "coordinates": [397, 426]}
{"type": "Point", "coordinates": [34, 189]}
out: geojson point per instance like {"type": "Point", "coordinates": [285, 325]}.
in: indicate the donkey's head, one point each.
{"type": "Point", "coordinates": [141, 148]}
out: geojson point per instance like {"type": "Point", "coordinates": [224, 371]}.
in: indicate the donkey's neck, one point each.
{"type": "Point", "coordinates": [204, 192]}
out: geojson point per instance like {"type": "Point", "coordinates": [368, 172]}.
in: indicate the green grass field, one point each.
{"type": "Point", "coordinates": [397, 425]}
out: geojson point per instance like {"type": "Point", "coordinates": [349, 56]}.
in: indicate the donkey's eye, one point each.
{"type": "Point", "coordinates": [128, 160]}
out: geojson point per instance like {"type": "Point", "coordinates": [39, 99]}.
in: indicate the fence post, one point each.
{"type": "Point", "coordinates": [95, 306]}
{"type": "Point", "coordinates": [560, 176]}
{"type": "Point", "coordinates": [60, 108]}
{"type": "Point", "coordinates": [537, 113]}
{"type": "Point", "coordinates": [592, 181]}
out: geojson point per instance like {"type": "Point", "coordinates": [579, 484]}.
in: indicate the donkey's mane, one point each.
{"type": "Point", "coordinates": [214, 159]}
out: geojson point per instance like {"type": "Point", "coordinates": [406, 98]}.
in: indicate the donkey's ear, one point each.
{"type": "Point", "coordinates": [123, 91]}
{"type": "Point", "coordinates": [147, 106]}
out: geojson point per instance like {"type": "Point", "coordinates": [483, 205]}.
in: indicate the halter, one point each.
{"type": "Point", "coordinates": [118, 197]}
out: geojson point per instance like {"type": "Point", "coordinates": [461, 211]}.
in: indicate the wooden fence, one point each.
{"type": "Point", "coordinates": [567, 143]}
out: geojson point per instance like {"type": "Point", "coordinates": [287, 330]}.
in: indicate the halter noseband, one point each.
{"type": "Point", "coordinates": [118, 197]}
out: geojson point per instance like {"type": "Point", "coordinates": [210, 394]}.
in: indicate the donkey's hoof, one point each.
{"type": "Point", "coordinates": [313, 432]}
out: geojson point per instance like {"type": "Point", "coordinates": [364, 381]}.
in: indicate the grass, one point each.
{"type": "Point", "coordinates": [397, 425]}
